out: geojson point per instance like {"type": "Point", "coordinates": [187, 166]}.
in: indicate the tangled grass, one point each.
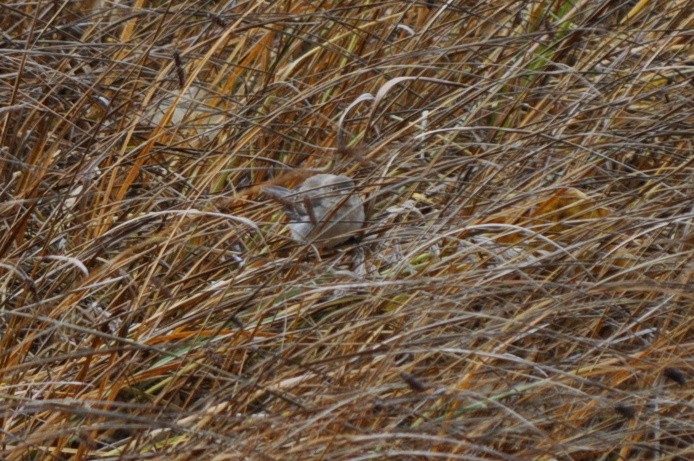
{"type": "Point", "coordinates": [522, 290]}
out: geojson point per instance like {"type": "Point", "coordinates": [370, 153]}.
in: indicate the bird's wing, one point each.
{"type": "Point", "coordinates": [289, 201]}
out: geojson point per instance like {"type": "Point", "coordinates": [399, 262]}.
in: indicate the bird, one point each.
{"type": "Point", "coordinates": [325, 210]}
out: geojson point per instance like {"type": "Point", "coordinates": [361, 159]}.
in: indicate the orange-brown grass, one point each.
{"type": "Point", "coordinates": [522, 291]}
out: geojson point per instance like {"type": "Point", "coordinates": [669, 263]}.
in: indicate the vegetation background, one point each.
{"type": "Point", "coordinates": [522, 290]}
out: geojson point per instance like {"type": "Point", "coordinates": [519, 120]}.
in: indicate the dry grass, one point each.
{"type": "Point", "coordinates": [523, 290]}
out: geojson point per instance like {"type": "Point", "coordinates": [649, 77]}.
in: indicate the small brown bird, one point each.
{"type": "Point", "coordinates": [325, 210]}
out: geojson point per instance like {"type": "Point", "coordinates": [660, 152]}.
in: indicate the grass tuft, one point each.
{"type": "Point", "coordinates": [523, 289]}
